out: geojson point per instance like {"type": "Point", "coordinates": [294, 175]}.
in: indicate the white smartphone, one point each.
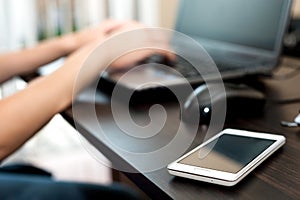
{"type": "Point", "coordinates": [228, 157]}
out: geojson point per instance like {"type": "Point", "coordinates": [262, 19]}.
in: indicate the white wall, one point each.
{"type": "Point", "coordinates": [97, 11]}
{"type": "Point", "coordinates": [19, 19]}
{"type": "Point", "coordinates": [122, 9]}
{"type": "Point", "coordinates": [23, 22]}
{"type": "Point", "coordinates": [169, 12]}
{"type": "Point", "coordinates": [17, 24]}
{"type": "Point", "coordinates": [296, 8]}
{"type": "Point", "coordinates": [3, 27]}
{"type": "Point", "coordinates": [149, 12]}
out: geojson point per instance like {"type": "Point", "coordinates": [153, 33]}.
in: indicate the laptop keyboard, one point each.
{"type": "Point", "coordinates": [187, 70]}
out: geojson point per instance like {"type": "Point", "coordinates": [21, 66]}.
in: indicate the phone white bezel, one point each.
{"type": "Point", "coordinates": [221, 177]}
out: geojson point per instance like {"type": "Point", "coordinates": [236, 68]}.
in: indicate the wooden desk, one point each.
{"type": "Point", "coordinates": [277, 178]}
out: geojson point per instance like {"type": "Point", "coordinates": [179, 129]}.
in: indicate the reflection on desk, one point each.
{"type": "Point", "coordinates": [278, 177]}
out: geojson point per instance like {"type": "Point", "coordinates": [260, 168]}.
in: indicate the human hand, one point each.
{"type": "Point", "coordinates": [85, 36]}
{"type": "Point", "coordinates": [121, 46]}
{"type": "Point", "coordinates": [142, 41]}
{"type": "Point", "coordinates": [136, 34]}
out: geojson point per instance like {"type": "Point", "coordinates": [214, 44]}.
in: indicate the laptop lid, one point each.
{"type": "Point", "coordinates": [249, 32]}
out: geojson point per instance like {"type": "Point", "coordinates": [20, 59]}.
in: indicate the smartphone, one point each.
{"type": "Point", "coordinates": [228, 157]}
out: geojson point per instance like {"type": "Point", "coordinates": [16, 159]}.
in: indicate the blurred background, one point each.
{"type": "Point", "coordinates": [23, 23]}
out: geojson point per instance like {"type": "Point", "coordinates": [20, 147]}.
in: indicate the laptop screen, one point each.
{"type": "Point", "coordinates": [254, 23]}
{"type": "Point", "coordinates": [242, 37]}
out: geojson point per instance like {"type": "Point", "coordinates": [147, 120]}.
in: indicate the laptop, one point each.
{"type": "Point", "coordinates": [242, 37]}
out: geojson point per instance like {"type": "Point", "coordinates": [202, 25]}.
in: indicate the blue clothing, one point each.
{"type": "Point", "coordinates": [26, 182]}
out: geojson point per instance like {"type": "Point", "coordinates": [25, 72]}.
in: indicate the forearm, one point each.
{"type": "Point", "coordinates": [23, 114]}
{"type": "Point", "coordinates": [28, 60]}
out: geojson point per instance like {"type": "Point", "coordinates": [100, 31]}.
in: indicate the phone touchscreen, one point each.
{"type": "Point", "coordinates": [229, 153]}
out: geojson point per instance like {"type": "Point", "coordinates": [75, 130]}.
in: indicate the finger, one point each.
{"type": "Point", "coordinates": [110, 26]}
